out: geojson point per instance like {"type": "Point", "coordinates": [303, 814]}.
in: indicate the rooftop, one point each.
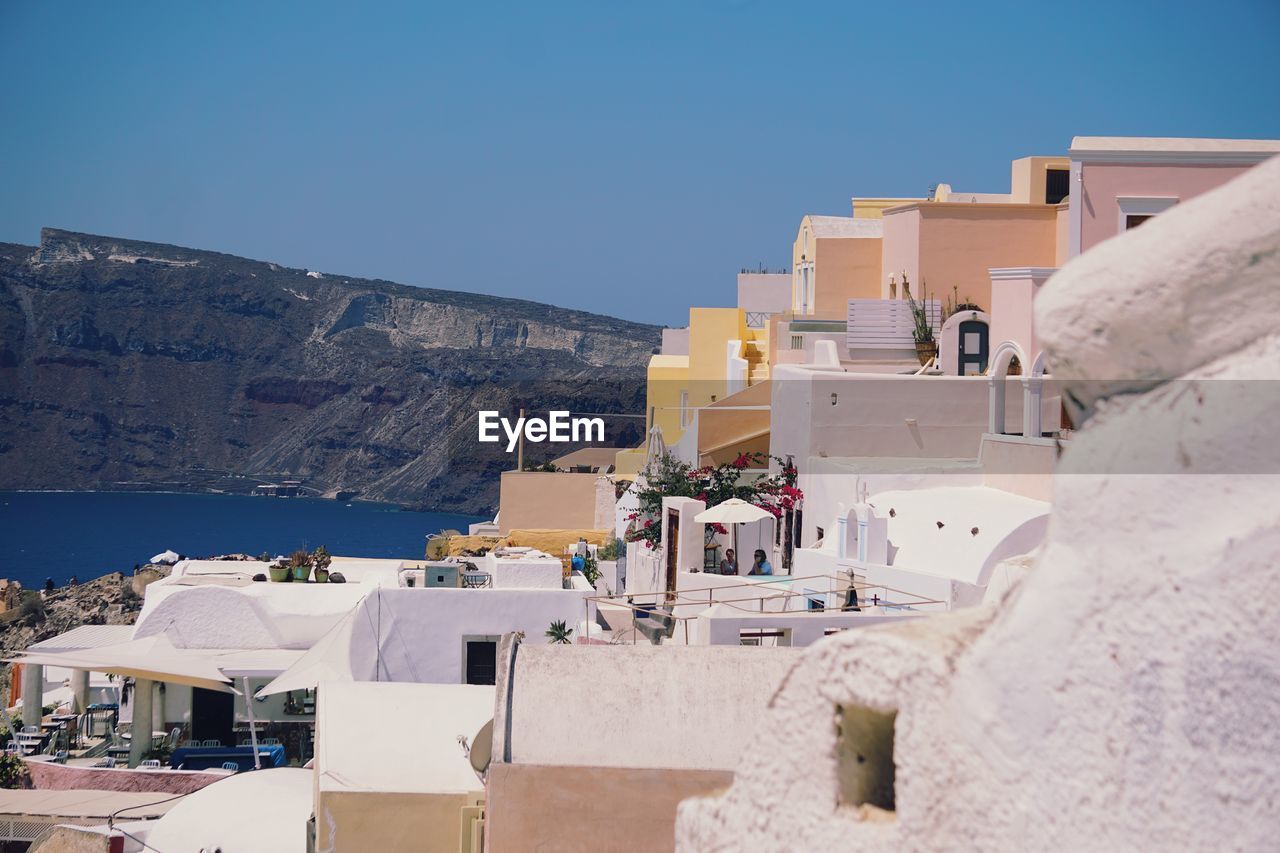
{"type": "Point", "coordinates": [845, 226]}
{"type": "Point", "coordinates": [431, 761]}
{"type": "Point", "coordinates": [1136, 149]}
{"type": "Point", "coordinates": [717, 693]}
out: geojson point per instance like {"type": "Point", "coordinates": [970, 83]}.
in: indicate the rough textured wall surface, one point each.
{"type": "Point", "coordinates": [1124, 695]}
{"type": "Point", "coordinates": [130, 365]}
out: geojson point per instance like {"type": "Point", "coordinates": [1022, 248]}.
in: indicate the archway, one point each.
{"type": "Point", "coordinates": [997, 378]}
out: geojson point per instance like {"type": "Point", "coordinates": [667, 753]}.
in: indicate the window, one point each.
{"type": "Point", "coordinates": [684, 409]}
{"type": "Point", "coordinates": [764, 637]}
{"type": "Point", "coordinates": [1057, 185]}
{"type": "Point", "coordinates": [864, 756]}
{"type": "Point", "coordinates": [1135, 211]}
{"type": "Point", "coordinates": [479, 660]}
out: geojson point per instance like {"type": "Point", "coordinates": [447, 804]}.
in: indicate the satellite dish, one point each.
{"type": "Point", "coordinates": [482, 749]}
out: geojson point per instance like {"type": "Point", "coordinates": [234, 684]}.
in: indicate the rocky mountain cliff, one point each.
{"type": "Point", "coordinates": [126, 364]}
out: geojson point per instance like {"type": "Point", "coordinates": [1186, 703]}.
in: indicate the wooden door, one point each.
{"type": "Point", "coordinates": [673, 548]}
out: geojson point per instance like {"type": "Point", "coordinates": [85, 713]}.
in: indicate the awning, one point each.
{"type": "Point", "coordinates": [328, 660]}
{"type": "Point", "coordinates": [152, 657]}
{"type": "Point", "coordinates": [364, 646]}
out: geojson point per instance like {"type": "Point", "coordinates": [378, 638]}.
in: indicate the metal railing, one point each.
{"type": "Point", "coordinates": [692, 597]}
{"type": "Point", "coordinates": [757, 319]}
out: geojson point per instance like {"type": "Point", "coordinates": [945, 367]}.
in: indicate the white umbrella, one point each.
{"type": "Point", "coordinates": [734, 511]}
{"type": "Point", "coordinates": [656, 447]}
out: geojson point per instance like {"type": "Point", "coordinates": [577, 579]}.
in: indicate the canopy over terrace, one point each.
{"type": "Point", "coordinates": [154, 658]}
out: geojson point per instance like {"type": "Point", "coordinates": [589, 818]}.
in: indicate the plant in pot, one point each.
{"type": "Point", "coordinates": [279, 571]}
{"type": "Point", "coordinates": [300, 565]}
{"type": "Point", "coordinates": [321, 560]}
{"type": "Point", "coordinates": [559, 633]}
{"type": "Point", "coordinates": [922, 328]}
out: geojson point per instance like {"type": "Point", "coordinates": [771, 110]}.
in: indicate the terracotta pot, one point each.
{"type": "Point", "coordinates": [926, 351]}
{"type": "Point", "coordinates": [279, 574]}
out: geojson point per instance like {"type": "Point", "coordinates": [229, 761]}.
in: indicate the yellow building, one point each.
{"type": "Point", "coordinates": [721, 356]}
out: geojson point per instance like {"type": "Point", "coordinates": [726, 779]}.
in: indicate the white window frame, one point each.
{"type": "Point", "coordinates": [1142, 206]}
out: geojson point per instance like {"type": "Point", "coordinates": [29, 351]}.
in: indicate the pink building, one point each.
{"type": "Point", "coordinates": [1118, 183]}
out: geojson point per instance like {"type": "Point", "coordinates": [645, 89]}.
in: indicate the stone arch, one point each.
{"type": "Point", "coordinates": [996, 376]}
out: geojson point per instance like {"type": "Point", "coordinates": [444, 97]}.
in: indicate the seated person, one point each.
{"type": "Point", "coordinates": [761, 565]}
{"type": "Point", "coordinates": [729, 565]}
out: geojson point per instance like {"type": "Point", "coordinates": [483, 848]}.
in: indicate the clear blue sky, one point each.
{"type": "Point", "coordinates": [620, 158]}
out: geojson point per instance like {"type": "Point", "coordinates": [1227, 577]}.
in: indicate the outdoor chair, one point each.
{"type": "Point", "coordinates": [13, 748]}
{"type": "Point", "coordinates": [150, 764]}
{"type": "Point", "coordinates": [31, 730]}
{"type": "Point", "coordinates": [106, 762]}
{"type": "Point", "coordinates": [270, 741]}
{"type": "Point", "coordinates": [231, 765]}
{"type": "Point", "coordinates": [174, 737]}
{"type": "Point", "coordinates": [211, 742]}
{"type": "Point", "coordinates": [60, 757]}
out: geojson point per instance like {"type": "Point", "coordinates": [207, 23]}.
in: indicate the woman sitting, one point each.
{"type": "Point", "coordinates": [761, 565]}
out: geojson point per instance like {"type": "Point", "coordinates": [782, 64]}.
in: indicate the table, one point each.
{"type": "Point", "coordinates": [73, 733]}
{"type": "Point", "coordinates": [204, 757]}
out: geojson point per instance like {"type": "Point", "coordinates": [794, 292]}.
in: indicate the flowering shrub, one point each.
{"type": "Point", "coordinates": [712, 485]}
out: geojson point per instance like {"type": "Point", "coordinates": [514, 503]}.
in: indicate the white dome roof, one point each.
{"type": "Point", "coordinates": [257, 810]}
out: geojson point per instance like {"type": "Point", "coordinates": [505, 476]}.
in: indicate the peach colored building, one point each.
{"type": "Point", "coordinates": [834, 259]}
{"type": "Point", "coordinates": [944, 245]}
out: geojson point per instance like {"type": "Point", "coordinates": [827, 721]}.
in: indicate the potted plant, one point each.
{"type": "Point", "coordinates": [590, 569]}
{"type": "Point", "coordinates": [922, 329]}
{"type": "Point", "coordinates": [279, 571]}
{"type": "Point", "coordinates": [559, 632]}
{"type": "Point", "coordinates": [321, 560]}
{"type": "Point", "coordinates": [300, 565]}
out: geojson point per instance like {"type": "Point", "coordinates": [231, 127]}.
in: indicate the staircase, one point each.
{"type": "Point", "coordinates": [756, 352]}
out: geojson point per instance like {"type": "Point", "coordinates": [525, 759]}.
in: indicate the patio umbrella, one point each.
{"type": "Point", "coordinates": [657, 447]}
{"type": "Point", "coordinates": [734, 511]}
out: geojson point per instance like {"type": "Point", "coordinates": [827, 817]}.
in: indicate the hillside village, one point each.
{"type": "Point", "coordinates": [920, 550]}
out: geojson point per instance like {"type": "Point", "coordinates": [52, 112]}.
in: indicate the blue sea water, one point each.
{"type": "Point", "coordinates": [89, 534]}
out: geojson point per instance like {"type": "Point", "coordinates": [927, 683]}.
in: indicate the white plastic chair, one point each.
{"type": "Point", "coordinates": [231, 765]}
{"type": "Point", "coordinates": [150, 764]}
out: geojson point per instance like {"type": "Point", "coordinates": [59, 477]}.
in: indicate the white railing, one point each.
{"type": "Point", "coordinates": [886, 323]}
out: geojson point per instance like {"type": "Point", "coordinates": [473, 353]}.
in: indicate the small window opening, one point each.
{"type": "Point", "coordinates": [864, 756]}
